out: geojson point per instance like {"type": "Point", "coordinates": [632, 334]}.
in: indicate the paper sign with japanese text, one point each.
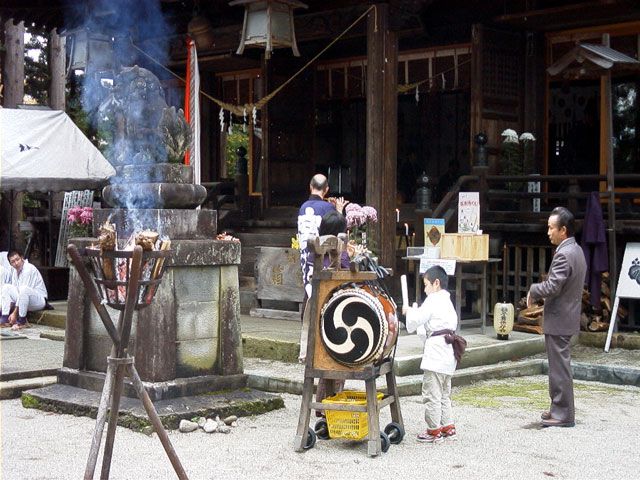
{"type": "Point", "coordinates": [468, 212]}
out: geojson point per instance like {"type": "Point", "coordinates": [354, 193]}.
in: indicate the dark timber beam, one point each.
{"type": "Point", "coordinates": [13, 74]}
{"type": "Point", "coordinates": [58, 73]}
{"type": "Point", "coordinates": [382, 137]}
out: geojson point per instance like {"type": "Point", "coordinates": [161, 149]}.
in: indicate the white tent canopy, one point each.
{"type": "Point", "coordinates": [43, 150]}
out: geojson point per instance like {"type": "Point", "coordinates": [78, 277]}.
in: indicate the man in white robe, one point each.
{"type": "Point", "coordinates": [26, 291]}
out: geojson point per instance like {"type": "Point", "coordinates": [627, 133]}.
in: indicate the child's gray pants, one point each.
{"type": "Point", "coordinates": [436, 395]}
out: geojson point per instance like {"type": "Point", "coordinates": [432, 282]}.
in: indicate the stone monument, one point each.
{"type": "Point", "coordinates": [188, 341]}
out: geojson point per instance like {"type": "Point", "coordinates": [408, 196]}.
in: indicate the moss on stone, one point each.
{"type": "Point", "coordinates": [29, 401]}
{"type": "Point", "coordinates": [133, 422]}
{"type": "Point", "coordinates": [521, 393]}
{"type": "Point", "coordinates": [493, 395]}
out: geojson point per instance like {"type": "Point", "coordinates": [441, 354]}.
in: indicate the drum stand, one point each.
{"type": "Point", "coordinates": [321, 366]}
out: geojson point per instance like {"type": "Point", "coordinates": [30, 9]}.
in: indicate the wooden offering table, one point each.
{"type": "Point", "coordinates": [464, 270]}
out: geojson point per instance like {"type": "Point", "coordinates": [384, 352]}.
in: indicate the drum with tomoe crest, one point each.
{"type": "Point", "coordinates": [358, 325]}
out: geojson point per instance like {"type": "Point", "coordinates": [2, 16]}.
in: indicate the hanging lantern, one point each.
{"type": "Point", "coordinates": [90, 51]}
{"type": "Point", "coordinates": [268, 24]}
{"type": "Point", "coordinates": [199, 28]}
{"type": "Point", "coordinates": [503, 320]}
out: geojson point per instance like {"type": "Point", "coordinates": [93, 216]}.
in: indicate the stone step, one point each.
{"type": "Point", "coordinates": [53, 318]}
{"type": "Point", "coordinates": [61, 398]}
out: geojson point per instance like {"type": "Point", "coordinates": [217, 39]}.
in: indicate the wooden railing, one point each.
{"type": "Point", "coordinates": [498, 204]}
{"type": "Point", "coordinates": [521, 266]}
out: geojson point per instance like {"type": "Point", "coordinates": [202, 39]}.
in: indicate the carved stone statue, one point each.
{"type": "Point", "coordinates": [141, 123]}
{"type": "Point", "coordinates": [149, 140]}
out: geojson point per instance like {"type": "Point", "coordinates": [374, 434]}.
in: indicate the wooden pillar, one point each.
{"type": "Point", "coordinates": [476, 86]}
{"type": "Point", "coordinates": [382, 135]}
{"type": "Point", "coordinates": [607, 167]}
{"type": "Point", "coordinates": [13, 74]}
{"type": "Point", "coordinates": [266, 143]}
{"type": "Point", "coordinates": [534, 96]}
{"type": "Point", "coordinates": [58, 71]}
{"type": "Point", "coordinates": [13, 94]}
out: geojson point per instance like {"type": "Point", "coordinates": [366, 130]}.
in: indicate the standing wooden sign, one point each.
{"type": "Point", "coordinates": [628, 284]}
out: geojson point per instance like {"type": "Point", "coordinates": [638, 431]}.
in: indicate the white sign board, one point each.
{"type": "Point", "coordinates": [448, 264]}
{"type": "Point", "coordinates": [629, 278]}
{"type": "Point", "coordinates": [628, 283]}
{"type": "Point", "coordinates": [468, 212]}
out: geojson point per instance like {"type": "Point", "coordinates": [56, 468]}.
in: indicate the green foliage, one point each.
{"type": "Point", "coordinates": [624, 128]}
{"type": "Point", "coordinates": [36, 66]}
{"type": "Point", "coordinates": [234, 140]}
{"type": "Point", "coordinates": [29, 401]}
{"type": "Point", "coordinates": [516, 156]}
{"type": "Point", "coordinates": [511, 161]}
{"type": "Point", "coordinates": [29, 201]}
{"type": "Point", "coordinates": [101, 136]}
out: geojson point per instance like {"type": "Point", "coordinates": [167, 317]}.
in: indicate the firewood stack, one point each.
{"type": "Point", "coordinates": [530, 320]}
{"type": "Point", "coordinates": [591, 320]}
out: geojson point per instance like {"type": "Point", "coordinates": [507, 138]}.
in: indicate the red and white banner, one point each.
{"type": "Point", "coordinates": [192, 110]}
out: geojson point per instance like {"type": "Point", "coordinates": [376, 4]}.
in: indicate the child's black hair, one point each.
{"type": "Point", "coordinates": [333, 223]}
{"type": "Point", "coordinates": [437, 272]}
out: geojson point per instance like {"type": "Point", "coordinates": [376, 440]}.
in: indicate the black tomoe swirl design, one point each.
{"type": "Point", "coordinates": [634, 271]}
{"type": "Point", "coordinates": [353, 327]}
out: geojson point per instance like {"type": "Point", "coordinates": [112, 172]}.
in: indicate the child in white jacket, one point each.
{"type": "Point", "coordinates": [435, 315]}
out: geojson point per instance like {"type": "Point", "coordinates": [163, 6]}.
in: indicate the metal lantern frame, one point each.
{"type": "Point", "coordinates": [90, 50]}
{"type": "Point", "coordinates": [268, 23]}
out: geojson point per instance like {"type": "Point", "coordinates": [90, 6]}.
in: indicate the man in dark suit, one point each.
{"type": "Point", "coordinates": [562, 294]}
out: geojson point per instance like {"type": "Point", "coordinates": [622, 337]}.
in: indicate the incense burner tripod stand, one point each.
{"type": "Point", "coordinates": [126, 292]}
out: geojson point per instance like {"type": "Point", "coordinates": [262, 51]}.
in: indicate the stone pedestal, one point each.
{"type": "Point", "coordinates": [157, 185]}
{"type": "Point", "coordinates": [188, 341]}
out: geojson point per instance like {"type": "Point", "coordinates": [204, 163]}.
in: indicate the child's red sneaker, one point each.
{"type": "Point", "coordinates": [449, 432]}
{"type": "Point", "coordinates": [430, 436]}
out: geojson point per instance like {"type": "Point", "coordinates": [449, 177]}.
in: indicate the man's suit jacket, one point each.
{"type": "Point", "coordinates": [562, 291]}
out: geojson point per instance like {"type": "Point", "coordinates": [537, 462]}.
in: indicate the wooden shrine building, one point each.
{"type": "Point", "coordinates": [404, 87]}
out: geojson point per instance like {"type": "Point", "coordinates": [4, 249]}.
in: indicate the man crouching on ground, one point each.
{"type": "Point", "coordinates": [25, 290]}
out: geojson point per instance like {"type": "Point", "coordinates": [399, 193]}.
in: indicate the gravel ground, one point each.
{"type": "Point", "coordinates": [502, 442]}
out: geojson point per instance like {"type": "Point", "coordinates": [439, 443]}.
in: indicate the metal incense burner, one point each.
{"type": "Point", "coordinates": [127, 281]}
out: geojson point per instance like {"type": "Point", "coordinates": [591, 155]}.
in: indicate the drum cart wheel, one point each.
{"type": "Point", "coordinates": [322, 429]}
{"type": "Point", "coordinates": [384, 442]}
{"type": "Point", "coordinates": [311, 439]}
{"type": "Point", "coordinates": [395, 432]}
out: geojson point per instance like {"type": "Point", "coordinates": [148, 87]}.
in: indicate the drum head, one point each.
{"type": "Point", "coordinates": [353, 327]}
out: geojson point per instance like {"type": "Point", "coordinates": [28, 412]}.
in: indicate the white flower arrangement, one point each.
{"type": "Point", "coordinates": [527, 137]}
{"type": "Point", "coordinates": [510, 136]}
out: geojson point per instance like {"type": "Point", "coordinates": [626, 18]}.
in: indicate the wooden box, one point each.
{"type": "Point", "coordinates": [465, 246]}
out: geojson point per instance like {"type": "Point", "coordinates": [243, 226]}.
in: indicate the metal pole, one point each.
{"type": "Point", "coordinates": [607, 134]}
{"type": "Point", "coordinates": [611, 224]}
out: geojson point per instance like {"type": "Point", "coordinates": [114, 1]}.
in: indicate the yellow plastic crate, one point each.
{"type": "Point", "coordinates": [350, 425]}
